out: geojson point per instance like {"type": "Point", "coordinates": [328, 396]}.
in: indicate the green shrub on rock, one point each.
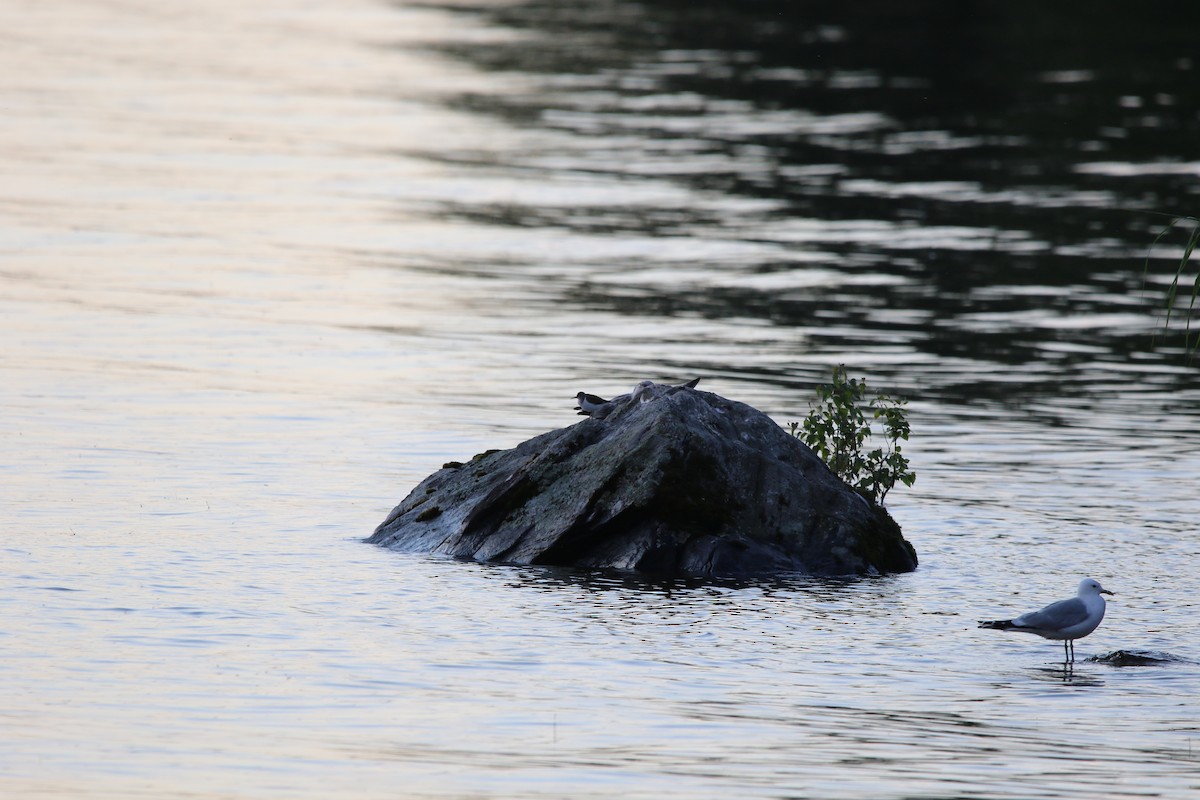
{"type": "Point", "coordinates": [837, 430]}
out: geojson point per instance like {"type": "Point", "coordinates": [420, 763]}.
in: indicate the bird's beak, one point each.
{"type": "Point", "coordinates": [1105, 591]}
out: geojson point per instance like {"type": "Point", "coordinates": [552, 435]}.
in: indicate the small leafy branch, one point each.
{"type": "Point", "coordinates": [837, 428]}
{"type": "Point", "coordinates": [1193, 239]}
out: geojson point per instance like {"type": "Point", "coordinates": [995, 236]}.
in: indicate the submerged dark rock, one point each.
{"type": "Point", "coordinates": [674, 481]}
{"type": "Point", "coordinates": [1136, 658]}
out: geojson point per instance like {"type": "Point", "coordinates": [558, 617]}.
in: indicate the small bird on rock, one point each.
{"type": "Point", "coordinates": [589, 404]}
{"type": "Point", "coordinates": [596, 407]}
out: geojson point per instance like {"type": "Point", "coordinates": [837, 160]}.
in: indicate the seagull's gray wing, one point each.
{"type": "Point", "coordinates": [1054, 617]}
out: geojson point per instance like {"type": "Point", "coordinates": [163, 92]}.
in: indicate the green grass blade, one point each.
{"type": "Point", "coordinates": [1150, 250]}
{"type": "Point", "coordinates": [1187, 255]}
{"type": "Point", "coordinates": [1172, 296]}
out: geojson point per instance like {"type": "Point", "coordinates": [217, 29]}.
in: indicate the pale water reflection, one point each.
{"type": "Point", "coordinates": [264, 266]}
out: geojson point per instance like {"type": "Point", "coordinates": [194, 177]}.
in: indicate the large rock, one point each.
{"type": "Point", "coordinates": [677, 482]}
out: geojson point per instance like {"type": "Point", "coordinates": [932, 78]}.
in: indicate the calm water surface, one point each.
{"type": "Point", "coordinates": [265, 266]}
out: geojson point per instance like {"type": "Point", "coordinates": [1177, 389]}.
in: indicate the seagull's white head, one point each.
{"type": "Point", "coordinates": [1092, 586]}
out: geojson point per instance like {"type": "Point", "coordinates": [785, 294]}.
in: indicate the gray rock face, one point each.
{"type": "Point", "coordinates": [675, 481]}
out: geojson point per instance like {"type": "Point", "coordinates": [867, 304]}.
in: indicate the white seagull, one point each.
{"type": "Point", "coordinates": [1066, 620]}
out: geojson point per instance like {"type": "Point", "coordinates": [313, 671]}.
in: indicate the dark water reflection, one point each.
{"type": "Point", "coordinates": [960, 199]}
